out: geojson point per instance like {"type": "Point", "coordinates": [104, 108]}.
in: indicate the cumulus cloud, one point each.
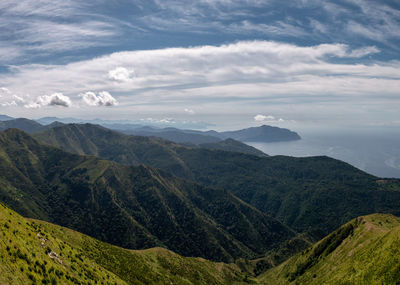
{"type": "Point", "coordinates": [101, 99]}
{"type": "Point", "coordinates": [189, 111]}
{"type": "Point", "coordinates": [8, 99]}
{"type": "Point", "coordinates": [55, 99]}
{"type": "Point", "coordinates": [267, 118]}
{"type": "Point", "coordinates": [121, 74]}
{"type": "Point", "coordinates": [260, 118]}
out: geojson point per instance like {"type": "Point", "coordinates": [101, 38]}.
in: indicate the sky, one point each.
{"type": "Point", "coordinates": [208, 63]}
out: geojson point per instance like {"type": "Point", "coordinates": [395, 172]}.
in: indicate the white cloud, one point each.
{"type": "Point", "coordinates": [260, 118]}
{"type": "Point", "coordinates": [39, 28]}
{"type": "Point", "coordinates": [278, 28]}
{"type": "Point", "coordinates": [121, 74]}
{"type": "Point", "coordinates": [267, 118]}
{"type": "Point", "coordinates": [361, 52]}
{"type": "Point", "coordinates": [9, 104]}
{"type": "Point", "coordinates": [55, 99]}
{"type": "Point", "coordinates": [101, 99]}
{"type": "Point", "coordinates": [159, 121]}
{"type": "Point", "coordinates": [189, 111]}
{"type": "Point", "coordinates": [8, 99]}
{"type": "Point", "coordinates": [4, 90]}
{"type": "Point", "coordinates": [242, 75]}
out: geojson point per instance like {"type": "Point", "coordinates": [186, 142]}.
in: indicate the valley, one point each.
{"type": "Point", "coordinates": [254, 212]}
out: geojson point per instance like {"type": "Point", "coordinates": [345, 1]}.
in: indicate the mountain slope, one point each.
{"type": "Point", "coordinates": [263, 133]}
{"type": "Point", "coordinates": [364, 251]}
{"type": "Point", "coordinates": [233, 145]}
{"type": "Point", "coordinates": [35, 251]}
{"type": "Point", "coordinates": [313, 195]}
{"type": "Point", "coordinates": [134, 207]}
{"type": "Point", "coordinates": [26, 125]}
{"type": "Point", "coordinates": [173, 134]}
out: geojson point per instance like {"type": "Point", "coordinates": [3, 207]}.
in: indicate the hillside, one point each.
{"type": "Point", "coordinates": [364, 251]}
{"type": "Point", "coordinates": [25, 125]}
{"type": "Point", "coordinates": [314, 195]}
{"type": "Point", "coordinates": [133, 207]}
{"type": "Point", "coordinates": [263, 133]}
{"type": "Point", "coordinates": [171, 134]}
{"type": "Point", "coordinates": [34, 251]}
{"type": "Point", "coordinates": [233, 145]}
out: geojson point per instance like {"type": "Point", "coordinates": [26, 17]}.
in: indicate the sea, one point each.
{"type": "Point", "coordinates": [375, 152]}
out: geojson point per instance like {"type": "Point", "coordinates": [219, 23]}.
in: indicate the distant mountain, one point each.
{"type": "Point", "coordinates": [37, 252]}
{"type": "Point", "coordinates": [31, 127]}
{"type": "Point", "coordinates": [172, 134]}
{"type": "Point", "coordinates": [134, 207]}
{"type": "Point", "coordinates": [313, 195]}
{"type": "Point", "coordinates": [363, 251]}
{"type": "Point", "coordinates": [262, 134]}
{"type": "Point", "coordinates": [26, 125]}
{"type": "Point", "coordinates": [127, 124]}
{"type": "Point", "coordinates": [6, 118]}
{"type": "Point", "coordinates": [256, 134]}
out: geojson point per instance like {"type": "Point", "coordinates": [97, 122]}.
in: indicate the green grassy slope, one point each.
{"type": "Point", "coordinates": [364, 251]}
{"type": "Point", "coordinates": [313, 195]}
{"type": "Point", "coordinates": [36, 252]}
{"type": "Point", "coordinates": [133, 207]}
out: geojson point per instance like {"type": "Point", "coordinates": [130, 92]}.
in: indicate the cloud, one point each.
{"type": "Point", "coordinates": [4, 90]}
{"type": "Point", "coordinates": [37, 29]}
{"type": "Point", "coordinates": [236, 78]}
{"type": "Point", "coordinates": [55, 99]}
{"type": "Point", "coordinates": [277, 28]}
{"type": "Point", "coordinates": [189, 111]}
{"type": "Point", "coordinates": [163, 121]}
{"type": "Point", "coordinates": [101, 99]}
{"type": "Point", "coordinates": [267, 118]}
{"type": "Point", "coordinates": [121, 74]}
{"type": "Point", "coordinates": [8, 99]}
{"type": "Point", "coordinates": [361, 52]}
{"type": "Point", "coordinates": [260, 118]}
{"type": "Point", "coordinates": [9, 104]}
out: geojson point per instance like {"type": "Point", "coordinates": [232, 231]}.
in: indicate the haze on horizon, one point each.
{"type": "Point", "coordinates": [224, 63]}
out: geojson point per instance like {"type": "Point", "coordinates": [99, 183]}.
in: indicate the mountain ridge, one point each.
{"type": "Point", "coordinates": [312, 195]}
{"type": "Point", "coordinates": [363, 251]}
{"type": "Point", "coordinates": [140, 207]}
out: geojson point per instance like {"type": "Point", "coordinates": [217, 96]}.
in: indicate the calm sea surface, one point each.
{"type": "Point", "coordinates": [375, 153]}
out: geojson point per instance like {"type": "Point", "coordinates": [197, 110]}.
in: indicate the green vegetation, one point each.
{"type": "Point", "coordinates": [138, 207]}
{"type": "Point", "coordinates": [30, 254]}
{"type": "Point", "coordinates": [36, 252]}
{"type": "Point", "coordinates": [312, 195]}
{"type": "Point", "coordinates": [133, 207]}
{"type": "Point", "coordinates": [23, 124]}
{"type": "Point", "coordinates": [364, 251]}
{"type": "Point", "coordinates": [263, 133]}
{"type": "Point", "coordinates": [233, 145]}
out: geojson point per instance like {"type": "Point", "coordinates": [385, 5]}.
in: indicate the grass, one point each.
{"type": "Point", "coordinates": [364, 251]}
{"type": "Point", "coordinates": [26, 246]}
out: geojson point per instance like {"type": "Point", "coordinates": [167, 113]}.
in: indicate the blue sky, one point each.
{"type": "Point", "coordinates": [225, 62]}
